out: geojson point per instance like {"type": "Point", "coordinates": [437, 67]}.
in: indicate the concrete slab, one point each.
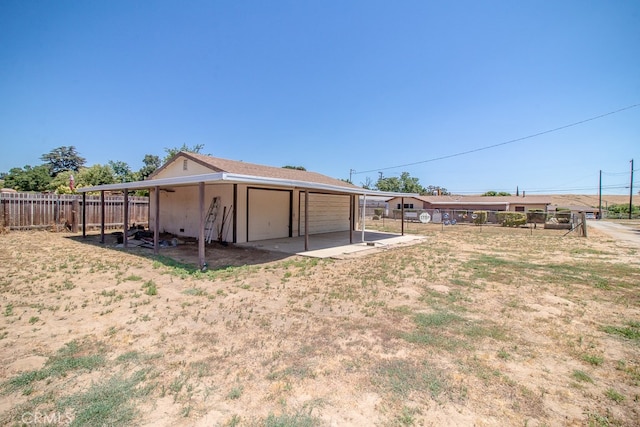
{"type": "Point", "coordinates": [336, 245]}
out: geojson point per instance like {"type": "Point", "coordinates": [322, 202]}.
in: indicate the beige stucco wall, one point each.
{"type": "Point", "coordinates": [180, 208]}
{"type": "Point", "coordinates": [417, 204]}
{"type": "Point", "coordinates": [176, 168]}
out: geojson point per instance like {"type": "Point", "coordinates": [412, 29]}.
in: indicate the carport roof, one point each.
{"type": "Point", "coordinates": [234, 172]}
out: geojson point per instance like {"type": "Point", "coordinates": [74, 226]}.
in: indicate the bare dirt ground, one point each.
{"type": "Point", "coordinates": [588, 200]}
{"type": "Point", "coordinates": [477, 326]}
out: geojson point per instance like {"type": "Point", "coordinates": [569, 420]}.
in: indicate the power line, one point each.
{"type": "Point", "coordinates": [552, 190]}
{"type": "Point", "coordinates": [618, 173]}
{"type": "Point", "coordinates": [501, 143]}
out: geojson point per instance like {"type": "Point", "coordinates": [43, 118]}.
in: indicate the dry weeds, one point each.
{"type": "Point", "coordinates": [477, 326]}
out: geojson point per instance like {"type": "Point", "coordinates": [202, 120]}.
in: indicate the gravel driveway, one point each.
{"type": "Point", "coordinates": [629, 234]}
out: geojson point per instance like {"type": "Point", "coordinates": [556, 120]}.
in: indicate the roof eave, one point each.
{"type": "Point", "coordinates": [239, 179]}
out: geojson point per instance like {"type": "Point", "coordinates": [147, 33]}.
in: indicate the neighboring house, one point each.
{"type": "Point", "coordinates": [472, 203]}
{"type": "Point", "coordinates": [255, 202]}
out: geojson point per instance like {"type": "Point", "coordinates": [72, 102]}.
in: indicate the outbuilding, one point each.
{"type": "Point", "coordinates": [210, 198]}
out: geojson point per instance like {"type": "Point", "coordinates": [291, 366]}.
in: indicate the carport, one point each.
{"type": "Point", "coordinates": [236, 184]}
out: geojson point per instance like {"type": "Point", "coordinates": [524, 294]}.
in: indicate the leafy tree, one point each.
{"type": "Point", "coordinates": [122, 171]}
{"type": "Point", "coordinates": [95, 175]}
{"type": "Point", "coordinates": [404, 184]}
{"type": "Point", "coordinates": [151, 163]}
{"type": "Point", "coordinates": [619, 209]}
{"type": "Point", "coordinates": [63, 159]}
{"type": "Point", "coordinates": [170, 152]}
{"type": "Point", "coordinates": [60, 184]}
{"type": "Point", "coordinates": [28, 178]}
{"type": "Point", "coordinates": [299, 168]}
{"type": "Point", "coordinates": [495, 193]}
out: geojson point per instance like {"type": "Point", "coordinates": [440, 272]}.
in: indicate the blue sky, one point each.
{"type": "Point", "coordinates": [332, 86]}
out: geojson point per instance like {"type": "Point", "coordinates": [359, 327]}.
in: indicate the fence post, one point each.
{"type": "Point", "coordinates": [5, 214]}
{"type": "Point", "coordinates": [74, 215]}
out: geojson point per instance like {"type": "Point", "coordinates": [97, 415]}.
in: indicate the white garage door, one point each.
{"type": "Point", "coordinates": [327, 213]}
{"type": "Point", "coordinates": [268, 214]}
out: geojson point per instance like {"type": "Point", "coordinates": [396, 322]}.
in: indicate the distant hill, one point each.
{"type": "Point", "coordinates": [591, 200]}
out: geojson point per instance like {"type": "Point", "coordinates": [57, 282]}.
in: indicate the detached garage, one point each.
{"type": "Point", "coordinates": [210, 198]}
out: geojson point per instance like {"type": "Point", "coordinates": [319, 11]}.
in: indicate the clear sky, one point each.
{"type": "Point", "coordinates": [333, 86]}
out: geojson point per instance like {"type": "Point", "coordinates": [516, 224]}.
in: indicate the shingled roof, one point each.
{"type": "Point", "coordinates": [233, 171]}
{"type": "Point", "coordinates": [217, 164]}
{"type": "Point", "coordinates": [456, 199]}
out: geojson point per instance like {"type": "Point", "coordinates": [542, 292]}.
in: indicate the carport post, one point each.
{"type": "Point", "coordinates": [402, 215]}
{"type": "Point", "coordinates": [351, 218]}
{"type": "Point", "coordinates": [102, 214]}
{"type": "Point", "coordinates": [84, 214]}
{"type": "Point", "coordinates": [306, 220]}
{"type": "Point", "coordinates": [156, 220]}
{"type": "Point", "coordinates": [201, 261]}
{"type": "Point", "coordinates": [125, 235]}
{"type": "Point", "coordinates": [364, 208]}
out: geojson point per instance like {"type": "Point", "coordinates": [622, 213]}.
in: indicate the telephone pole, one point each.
{"type": "Point", "coordinates": [600, 197]}
{"type": "Point", "coordinates": [631, 191]}
{"type": "Point", "coordinates": [351, 172]}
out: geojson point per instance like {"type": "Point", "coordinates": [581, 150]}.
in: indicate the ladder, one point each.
{"type": "Point", "coordinates": [212, 215]}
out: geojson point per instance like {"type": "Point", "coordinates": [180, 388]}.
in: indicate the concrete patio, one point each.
{"type": "Point", "coordinates": [336, 245]}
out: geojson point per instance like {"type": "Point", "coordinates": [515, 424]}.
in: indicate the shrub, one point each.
{"type": "Point", "coordinates": [378, 212]}
{"type": "Point", "coordinates": [512, 219]}
{"type": "Point", "coordinates": [481, 217]}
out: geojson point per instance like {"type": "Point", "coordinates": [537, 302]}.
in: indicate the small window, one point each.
{"type": "Point", "coordinates": [408, 205]}
{"type": "Point", "coordinates": [399, 206]}
{"type": "Point", "coordinates": [184, 165]}
{"type": "Point", "coordinates": [519, 208]}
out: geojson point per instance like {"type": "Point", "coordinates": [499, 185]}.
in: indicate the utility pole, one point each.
{"type": "Point", "coordinates": [351, 172]}
{"type": "Point", "coordinates": [600, 197]}
{"type": "Point", "coordinates": [631, 191]}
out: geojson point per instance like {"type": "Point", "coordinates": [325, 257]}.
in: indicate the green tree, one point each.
{"type": "Point", "coordinates": [95, 175]}
{"type": "Point", "coordinates": [151, 163]}
{"type": "Point", "coordinates": [63, 159]}
{"type": "Point", "coordinates": [403, 184]}
{"type": "Point", "coordinates": [170, 152]}
{"type": "Point", "coordinates": [60, 184]}
{"type": "Point", "coordinates": [28, 178]}
{"type": "Point", "coordinates": [620, 209]}
{"type": "Point", "coordinates": [299, 168]}
{"type": "Point", "coordinates": [122, 171]}
{"type": "Point", "coordinates": [495, 193]}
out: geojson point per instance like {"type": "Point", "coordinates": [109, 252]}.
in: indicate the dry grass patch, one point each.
{"type": "Point", "coordinates": [478, 325]}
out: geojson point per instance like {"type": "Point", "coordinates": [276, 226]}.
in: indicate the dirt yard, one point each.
{"type": "Point", "coordinates": [477, 326]}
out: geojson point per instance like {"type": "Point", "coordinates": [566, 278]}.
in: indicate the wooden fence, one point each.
{"type": "Point", "coordinates": [25, 211]}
